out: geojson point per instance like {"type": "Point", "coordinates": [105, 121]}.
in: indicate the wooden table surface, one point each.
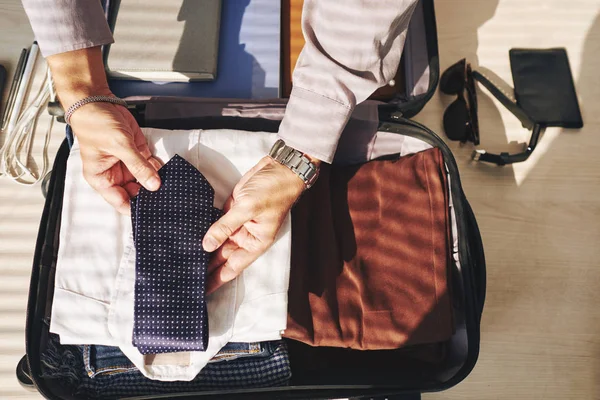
{"type": "Point", "coordinates": [540, 220]}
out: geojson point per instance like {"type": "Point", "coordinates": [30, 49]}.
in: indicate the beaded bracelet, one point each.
{"type": "Point", "coordinates": [92, 99]}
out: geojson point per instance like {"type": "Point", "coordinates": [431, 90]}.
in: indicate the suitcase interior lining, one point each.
{"type": "Point", "coordinates": [414, 366]}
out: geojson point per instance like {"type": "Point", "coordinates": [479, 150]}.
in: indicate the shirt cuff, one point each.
{"type": "Point", "coordinates": [66, 25]}
{"type": "Point", "coordinates": [50, 49]}
{"type": "Point", "coordinates": [314, 123]}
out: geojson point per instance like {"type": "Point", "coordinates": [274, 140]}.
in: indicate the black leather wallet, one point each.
{"type": "Point", "coordinates": [544, 87]}
{"type": "Point", "coordinates": [545, 96]}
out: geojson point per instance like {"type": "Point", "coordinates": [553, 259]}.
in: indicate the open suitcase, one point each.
{"type": "Point", "coordinates": [393, 379]}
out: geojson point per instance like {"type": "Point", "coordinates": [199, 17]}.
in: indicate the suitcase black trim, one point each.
{"type": "Point", "coordinates": [40, 285]}
{"type": "Point", "coordinates": [412, 106]}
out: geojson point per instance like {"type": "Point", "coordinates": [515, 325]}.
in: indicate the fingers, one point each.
{"type": "Point", "coordinates": [155, 163]}
{"type": "Point", "coordinates": [219, 257]}
{"type": "Point", "coordinates": [226, 226]}
{"type": "Point", "coordinates": [145, 151]}
{"type": "Point", "coordinates": [117, 197]}
{"type": "Point", "coordinates": [132, 188]}
{"type": "Point", "coordinates": [147, 154]}
{"type": "Point", "coordinates": [237, 262]}
{"type": "Point", "coordinates": [234, 218]}
{"type": "Point", "coordinates": [233, 257]}
{"type": "Point", "coordinates": [140, 167]}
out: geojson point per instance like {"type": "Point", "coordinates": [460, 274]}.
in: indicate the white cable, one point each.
{"type": "Point", "coordinates": [23, 87]}
{"type": "Point", "coordinates": [15, 136]}
{"type": "Point", "coordinates": [50, 85]}
{"type": "Point", "coordinates": [19, 139]}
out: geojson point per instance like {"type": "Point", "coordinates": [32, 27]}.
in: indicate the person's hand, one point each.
{"type": "Point", "coordinates": [113, 149]}
{"type": "Point", "coordinates": [116, 158]}
{"type": "Point", "coordinates": [254, 213]}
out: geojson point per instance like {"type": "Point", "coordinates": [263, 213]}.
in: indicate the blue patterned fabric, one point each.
{"type": "Point", "coordinates": [64, 364]}
{"type": "Point", "coordinates": [272, 369]}
{"type": "Point", "coordinates": [169, 224]}
{"type": "Point", "coordinates": [102, 360]}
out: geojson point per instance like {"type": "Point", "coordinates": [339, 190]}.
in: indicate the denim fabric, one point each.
{"type": "Point", "coordinates": [64, 365]}
{"type": "Point", "coordinates": [108, 360]}
{"type": "Point", "coordinates": [233, 350]}
{"type": "Point", "coordinates": [250, 372]}
{"type": "Point", "coordinates": [105, 360]}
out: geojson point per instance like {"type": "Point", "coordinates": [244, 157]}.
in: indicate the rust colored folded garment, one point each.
{"type": "Point", "coordinates": [371, 256]}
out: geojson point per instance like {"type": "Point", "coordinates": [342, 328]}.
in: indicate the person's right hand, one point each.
{"type": "Point", "coordinates": [115, 155]}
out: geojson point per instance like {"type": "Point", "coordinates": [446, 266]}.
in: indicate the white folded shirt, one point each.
{"type": "Point", "coordinates": [95, 272]}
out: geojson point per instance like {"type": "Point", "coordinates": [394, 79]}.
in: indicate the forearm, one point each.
{"type": "Point", "coordinates": [78, 74]}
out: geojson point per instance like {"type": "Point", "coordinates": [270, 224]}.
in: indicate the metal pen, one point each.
{"type": "Point", "coordinates": [13, 88]}
{"type": "Point", "coordinates": [23, 87]}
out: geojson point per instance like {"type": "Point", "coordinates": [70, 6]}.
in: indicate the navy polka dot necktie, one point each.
{"type": "Point", "coordinates": [170, 287]}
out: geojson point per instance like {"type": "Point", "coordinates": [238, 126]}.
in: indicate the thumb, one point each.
{"type": "Point", "coordinates": [226, 226]}
{"type": "Point", "coordinates": [139, 166]}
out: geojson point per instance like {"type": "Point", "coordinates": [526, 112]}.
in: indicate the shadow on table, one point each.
{"type": "Point", "coordinates": [460, 22]}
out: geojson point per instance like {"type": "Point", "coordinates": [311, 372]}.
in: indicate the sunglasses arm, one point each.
{"type": "Point", "coordinates": [502, 98]}
{"type": "Point", "coordinates": [505, 158]}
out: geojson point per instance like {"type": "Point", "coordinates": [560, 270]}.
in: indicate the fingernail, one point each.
{"type": "Point", "coordinates": [153, 183]}
{"type": "Point", "coordinates": [227, 275]}
{"type": "Point", "coordinates": [209, 244]}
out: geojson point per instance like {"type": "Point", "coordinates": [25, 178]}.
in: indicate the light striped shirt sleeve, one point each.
{"type": "Point", "coordinates": [65, 25]}
{"type": "Point", "coordinates": [352, 48]}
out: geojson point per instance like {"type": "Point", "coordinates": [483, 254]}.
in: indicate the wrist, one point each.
{"type": "Point", "coordinates": [78, 74]}
{"type": "Point", "coordinates": [298, 162]}
{"type": "Point", "coordinates": [291, 177]}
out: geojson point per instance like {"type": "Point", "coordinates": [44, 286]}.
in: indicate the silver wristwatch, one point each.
{"type": "Point", "coordinates": [296, 161]}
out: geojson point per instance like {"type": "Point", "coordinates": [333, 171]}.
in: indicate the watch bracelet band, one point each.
{"type": "Point", "coordinates": [92, 99]}
{"type": "Point", "coordinates": [296, 161]}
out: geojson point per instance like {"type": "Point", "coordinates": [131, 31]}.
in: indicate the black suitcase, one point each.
{"type": "Point", "coordinates": [421, 70]}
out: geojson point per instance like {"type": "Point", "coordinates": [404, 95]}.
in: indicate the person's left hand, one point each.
{"type": "Point", "coordinates": [253, 215]}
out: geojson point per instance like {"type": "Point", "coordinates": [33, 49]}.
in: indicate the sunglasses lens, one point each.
{"type": "Point", "coordinates": [453, 79]}
{"type": "Point", "coordinates": [455, 121]}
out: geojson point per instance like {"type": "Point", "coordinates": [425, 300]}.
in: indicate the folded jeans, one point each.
{"type": "Point", "coordinates": [64, 364]}
{"type": "Point", "coordinates": [109, 360]}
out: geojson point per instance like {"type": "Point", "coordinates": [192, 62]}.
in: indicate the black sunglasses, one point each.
{"type": "Point", "coordinates": [460, 118]}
